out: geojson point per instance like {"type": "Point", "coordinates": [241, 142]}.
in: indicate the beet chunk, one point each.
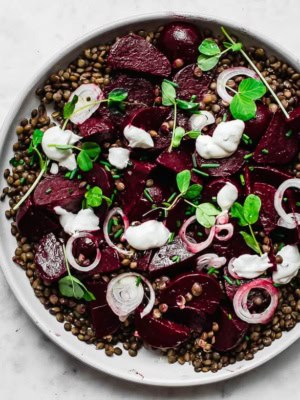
{"type": "Point", "coordinates": [257, 126]}
{"type": "Point", "coordinates": [269, 175]}
{"type": "Point", "coordinates": [189, 84]}
{"type": "Point", "coordinates": [268, 215]}
{"type": "Point", "coordinates": [231, 330]}
{"type": "Point", "coordinates": [55, 191]}
{"type": "Point", "coordinates": [134, 53]}
{"type": "Point", "coordinates": [188, 316]}
{"type": "Point", "coordinates": [275, 147]}
{"type": "Point", "coordinates": [104, 321]}
{"type": "Point", "coordinates": [180, 40]}
{"type": "Point", "coordinates": [98, 176]}
{"type": "Point", "coordinates": [160, 333]}
{"type": "Point", "coordinates": [34, 222]}
{"type": "Point", "coordinates": [212, 188]}
{"type": "Point", "coordinates": [98, 129]}
{"type": "Point", "coordinates": [228, 166]}
{"type": "Point", "coordinates": [49, 258]}
{"type": "Point", "coordinates": [178, 287]}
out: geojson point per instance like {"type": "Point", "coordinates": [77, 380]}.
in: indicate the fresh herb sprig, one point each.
{"type": "Point", "coordinates": [247, 215]}
{"type": "Point", "coordinates": [94, 197]}
{"type": "Point", "coordinates": [205, 213]}
{"type": "Point", "coordinates": [210, 53]}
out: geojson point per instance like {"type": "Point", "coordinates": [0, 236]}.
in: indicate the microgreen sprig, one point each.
{"type": "Point", "coordinates": [94, 197]}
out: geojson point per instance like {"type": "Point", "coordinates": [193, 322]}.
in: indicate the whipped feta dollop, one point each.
{"type": "Point", "coordinates": [56, 136]}
{"type": "Point", "coordinates": [290, 265]}
{"type": "Point", "coordinates": [54, 168]}
{"type": "Point", "coordinates": [118, 157]}
{"type": "Point", "coordinates": [227, 196]}
{"type": "Point", "coordinates": [148, 235]}
{"type": "Point", "coordinates": [84, 220]}
{"type": "Point", "coordinates": [198, 121]}
{"type": "Point", "coordinates": [89, 96]}
{"type": "Point", "coordinates": [224, 141]}
{"type": "Point", "coordinates": [138, 137]}
{"type": "Point", "coordinates": [251, 266]}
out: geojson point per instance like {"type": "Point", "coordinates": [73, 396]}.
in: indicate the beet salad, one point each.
{"type": "Point", "coordinates": [158, 205]}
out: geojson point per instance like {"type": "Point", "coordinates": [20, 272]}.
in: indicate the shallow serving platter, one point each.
{"type": "Point", "coordinates": [148, 367]}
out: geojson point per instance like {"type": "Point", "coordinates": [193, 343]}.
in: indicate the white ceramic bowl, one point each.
{"type": "Point", "coordinates": [148, 367]}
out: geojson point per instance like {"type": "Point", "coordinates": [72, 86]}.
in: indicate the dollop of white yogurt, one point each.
{"type": "Point", "coordinates": [227, 196]}
{"type": "Point", "coordinates": [224, 141]}
{"type": "Point", "coordinates": [84, 220]}
{"type": "Point", "coordinates": [148, 235]}
{"type": "Point", "coordinates": [56, 136]}
{"type": "Point", "coordinates": [290, 265]}
{"type": "Point", "coordinates": [138, 137]}
{"type": "Point", "coordinates": [88, 95]}
{"type": "Point", "coordinates": [118, 157]}
{"type": "Point", "coordinates": [251, 266]}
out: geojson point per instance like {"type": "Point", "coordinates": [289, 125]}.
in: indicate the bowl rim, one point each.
{"type": "Point", "coordinates": [49, 64]}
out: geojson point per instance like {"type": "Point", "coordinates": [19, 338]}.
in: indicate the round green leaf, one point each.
{"type": "Point", "coordinates": [242, 107]}
{"type": "Point", "coordinates": [193, 192]}
{"type": "Point", "coordinates": [252, 207]}
{"type": "Point", "coordinates": [117, 95]}
{"type": "Point", "coordinates": [204, 219]}
{"type": "Point", "coordinates": [252, 88]}
{"type": "Point", "coordinates": [183, 180]}
{"type": "Point", "coordinates": [94, 197]}
{"type": "Point", "coordinates": [168, 93]}
{"type": "Point", "coordinates": [84, 162]}
{"type": "Point", "coordinates": [209, 47]}
{"type": "Point", "coordinates": [206, 63]}
{"type": "Point", "coordinates": [178, 135]}
{"type": "Point", "coordinates": [92, 149]}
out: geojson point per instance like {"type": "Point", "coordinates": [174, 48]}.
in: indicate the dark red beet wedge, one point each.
{"type": "Point", "coordinates": [231, 330]}
{"type": "Point", "coordinates": [228, 166]}
{"type": "Point", "coordinates": [188, 316]}
{"type": "Point", "coordinates": [55, 190]}
{"type": "Point", "coordinates": [98, 176]}
{"type": "Point", "coordinates": [98, 129]}
{"type": "Point", "coordinates": [178, 287]}
{"type": "Point", "coordinates": [160, 333]}
{"type": "Point", "coordinates": [192, 81]}
{"type": "Point", "coordinates": [49, 258]}
{"type": "Point", "coordinates": [232, 287]}
{"type": "Point", "coordinates": [275, 147]}
{"type": "Point", "coordinates": [180, 40]}
{"type": "Point", "coordinates": [34, 222]}
{"type": "Point", "coordinates": [257, 126]}
{"type": "Point", "coordinates": [134, 53]}
{"type": "Point", "coordinates": [268, 215]}
{"type": "Point", "coordinates": [268, 175]}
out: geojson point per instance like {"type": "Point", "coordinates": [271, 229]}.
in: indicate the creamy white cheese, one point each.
{"type": "Point", "coordinates": [138, 137]}
{"type": "Point", "coordinates": [290, 265]}
{"type": "Point", "coordinates": [54, 168]}
{"type": "Point", "coordinates": [148, 235]}
{"type": "Point", "coordinates": [198, 121]}
{"type": "Point", "coordinates": [224, 141]}
{"type": "Point", "coordinates": [250, 266]}
{"type": "Point", "coordinates": [118, 157]}
{"type": "Point", "coordinates": [56, 136]}
{"type": "Point", "coordinates": [88, 94]}
{"type": "Point", "coordinates": [227, 196]}
{"type": "Point", "coordinates": [84, 220]}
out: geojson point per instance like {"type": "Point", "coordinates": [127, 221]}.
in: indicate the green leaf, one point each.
{"type": "Point", "coordinates": [70, 107]}
{"type": "Point", "coordinates": [92, 149]}
{"type": "Point", "coordinates": [94, 197]}
{"type": "Point", "coordinates": [187, 105]}
{"type": "Point", "coordinates": [205, 214]}
{"type": "Point", "coordinates": [183, 180]}
{"type": "Point", "coordinates": [236, 46]}
{"type": "Point", "coordinates": [177, 137]}
{"type": "Point", "coordinates": [193, 192]}
{"type": "Point", "coordinates": [88, 296]}
{"type": "Point", "coordinates": [209, 47]}
{"type": "Point", "coordinates": [168, 93]}
{"type": "Point", "coordinates": [65, 286]}
{"type": "Point", "coordinates": [36, 140]}
{"type": "Point", "coordinates": [84, 161]}
{"type": "Point", "coordinates": [117, 95]}
{"type": "Point", "coordinates": [206, 62]}
{"type": "Point", "coordinates": [250, 241]}
{"type": "Point", "coordinates": [252, 88]}
{"type": "Point", "coordinates": [237, 211]}
{"type": "Point", "coordinates": [193, 134]}
{"type": "Point", "coordinates": [251, 208]}
{"type": "Point", "coordinates": [242, 107]}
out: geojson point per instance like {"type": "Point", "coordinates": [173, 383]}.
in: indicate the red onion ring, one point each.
{"type": "Point", "coordinates": [222, 218]}
{"type": "Point", "coordinates": [210, 259]}
{"type": "Point", "coordinates": [226, 227]}
{"type": "Point", "coordinates": [192, 246]}
{"type": "Point", "coordinates": [71, 258]}
{"type": "Point", "coordinates": [240, 301]}
{"type": "Point", "coordinates": [289, 221]}
{"type": "Point", "coordinates": [112, 212]}
{"type": "Point", "coordinates": [228, 74]}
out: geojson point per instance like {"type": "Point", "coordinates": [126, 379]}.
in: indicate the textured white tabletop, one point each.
{"type": "Point", "coordinates": [30, 365]}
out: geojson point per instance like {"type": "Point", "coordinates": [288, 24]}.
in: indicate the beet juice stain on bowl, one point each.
{"type": "Point", "coordinates": [161, 208]}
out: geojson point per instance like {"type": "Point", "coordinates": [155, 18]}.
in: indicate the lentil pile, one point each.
{"type": "Point", "coordinates": [91, 67]}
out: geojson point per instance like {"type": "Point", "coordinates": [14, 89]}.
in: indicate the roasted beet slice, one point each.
{"type": "Point", "coordinates": [268, 215]}
{"type": "Point", "coordinates": [268, 175]}
{"type": "Point", "coordinates": [160, 333]}
{"type": "Point", "coordinates": [257, 126]}
{"type": "Point", "coordinates": [274, 146]}
{"type": "Point", "coordinates": [143, 260]}
{"type": "Point", "coordinates": [180, 40]}
{"type": "Point", "coordinates": [98, 129]}
{"type": "Point", "coordinates": [98, 176]}
{"type": "Point", "coordinates": [55, 190]}
{"type": "Point", "coordinates": [231, 284]}
{"type": "Point", "coordinates": [34, 222]}
{"type": "Point", "coordinates": [192, 81]}
{"type": "Point", "coordinates": [176, 217]}
{"type": "Point", "coordinates": [294, 120]}
{"type": "Point", "coordinates": [188, 316]}
{"type": "Point", "coordinates": [228, 166]}
{"type": "Point", "coordinates": [178, 287]}
{"type": "Point", "coordinates": [231, 330]}
{"type": "Point", "coordinates": [49, 258]}
{"type": "Point", "coordinates": [134, 53]}
{"type": "Point", "coordinates": [212, 188]}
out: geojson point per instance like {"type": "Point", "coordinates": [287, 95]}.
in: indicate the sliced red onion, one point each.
{"type": "Point", "coordinates": [88, 94]}
{"type": "Point", "coordinates": [125, 294]}
{"type": "Point", "coordinates": [210, 260]}
{"type": "Point", "coordinates": [222, 218]}
{"type": "Point", "coordinates": [230, 269]}
{"type": "Point", "coordinates": [192, 246]}
{"type": "Point", "coordinates": [112, 212]}
{"type": "Point", "coordinates": [224, 227]}
{"type": "Point", "coordinates": [71, 258]}
{"type": "Point", "coordinates": [241, 297]}
{"type": "Point", "coordinates": [198, 121]}
{"type": "Point", "coordinates": [229, 73]}
{"type": "Point", "coordinates": [290, 220]}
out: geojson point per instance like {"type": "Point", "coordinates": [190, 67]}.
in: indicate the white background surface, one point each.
{"type": "Point", "coordinates": [30, 365]}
